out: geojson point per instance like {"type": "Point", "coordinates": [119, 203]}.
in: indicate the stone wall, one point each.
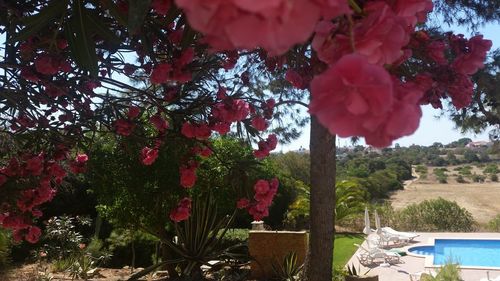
{"type": "Point", "coordinates": [267, 247]}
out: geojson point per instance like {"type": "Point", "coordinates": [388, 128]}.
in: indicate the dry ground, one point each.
{"type": "Point", "coordinates": [481, 199]}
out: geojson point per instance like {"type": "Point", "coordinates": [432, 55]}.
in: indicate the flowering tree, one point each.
{"type": "Point", "coordinates": [195, 68]}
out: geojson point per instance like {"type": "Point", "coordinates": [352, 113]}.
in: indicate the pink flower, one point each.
{"type": "Point", "coordinates": [231, 110]}
{"type": "Point", "coordinates": [295, 79]}
{"type": "Point", "coordinates": [47, 65]}
{"type": "Point", "coordinates": [435, 51]}
{"type": "Point", "coordinates": [413, 11]}
{"type": "Point", "coordinates": [380, 36]}
{"type": "Point", "coordinates": [275, 25]}
{"type": "Point", "coordinates": [222, 127]}
{"type": "Point", "coordinates": [161, 7]}
{"type": "Point", "coordinates": [82, 158]}
{"type": "Point", "coordinates": [265, 147]}
{"type": "Point", "coordinates": [261, 187]}
{"type": "Point", "coordinates": [188, 176]}
{"type": "Point", "coordinates": [403, 119]}
{"type": "Point", "coordinates": [461, 90]}
{"type": "Point", "coordinates": [471, 61]}
{"type": "Point", "coordinates": [243, 203]}
{"type": "Point", "coordinates": [205, 152]}
{"type": "Point", "coordinates": [124, 127]}
{"type": "Point", "coordinates": [352, 97]}
{"type": "Point", "coordinates": [33, 234]}
{"type": "Point", "coordinates": [161, 73]}
{"type": "Point", "coordinates": [160, 124]}
{"type": "Point", "coordinates": [182, 211]}
{"type": "Point", "coordinates": [149, 155]}
{"type": "Point", "coordinates": [133, 112]}
{"type": "Point", "coordinates": [259, 123]}
{"type": "Point", "coordinates": [198, 131]}
{"type": "Point", "coordinates": [35, 165]}
{"type": "Point", "coordinates": [186, 58]}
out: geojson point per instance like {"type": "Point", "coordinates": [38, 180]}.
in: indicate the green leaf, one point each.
{"type": "Point", "coordinates": [95, 23]}
{"type": "Point", "coordinates": [113, 11]}
{"type": "Point", "coordinates": [40, 21]}
{"type": "Point", "coordinates": [137, 11]}
{"type": "Point", "coordinates": [82, 46]}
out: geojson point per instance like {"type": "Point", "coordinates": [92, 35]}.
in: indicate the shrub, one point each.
{"type": "Point", "coordinates": [491, 169]}
{"type": "Point", "coordinates": [441, 175]}
{"type": "Point", "coordinates": [494, 178]}
{"type": "Point", "coordinates": [460, 179]}
{"type": "Point", "coordinates": [129, 247]}
{"type": "Point", "coordinates": [494, 224]}
{"type": "Point", "coordinates": [4, 248]}
{"type": "Point", "coordinates": [449, 272]}
{"type": "Point", "coordinates": [478, 178]}
{"type": "Point", "coordinates": [436, 215]}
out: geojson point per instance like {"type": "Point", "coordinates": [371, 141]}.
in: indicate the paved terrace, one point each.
{"type": "Point", "coordinates": [412, 264]}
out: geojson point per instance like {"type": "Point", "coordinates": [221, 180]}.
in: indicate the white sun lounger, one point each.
{"type": "Point", "coordinates": [417, 275]}
{"type": "Point", "coordinates": [368, 256]}
{"type": "Point", "coordinates": [408, 235]}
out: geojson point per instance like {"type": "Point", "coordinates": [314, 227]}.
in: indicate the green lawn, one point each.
{"type": "Point", "coordinates": [344, 248]}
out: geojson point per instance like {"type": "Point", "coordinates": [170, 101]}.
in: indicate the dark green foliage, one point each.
{"type": "Point", "coordinates": [478, 178]}
{"type": "Point", "coordinates": [201, 239]}
{"type": "Point", "coordinates": [441, 175]}
{"type": "Point", "coordinates": [494, 178]}
{"type": "Point", "coordinates": [350, 199]}
{"type": "Point", "coordinates": [436, 215]}
{"type": "Point", "coordinates": [134, 248]}
{"type": "Point", "coordinates": [494, 224]}
{"type": "Point", "coordinates": [491, 169]}
{"type": "Point", "coordinates": [5, 245]}
{"type": "Point", "coordinates": [460, 179]}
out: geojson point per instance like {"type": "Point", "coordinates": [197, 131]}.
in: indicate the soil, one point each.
{"type": "Point", "coordinates": [480, 199]}
{"type": "Point", "coordinates": [30, 272]}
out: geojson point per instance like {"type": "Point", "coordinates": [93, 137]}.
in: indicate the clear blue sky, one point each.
{"type": "Point", "coordinates": [431, 129]}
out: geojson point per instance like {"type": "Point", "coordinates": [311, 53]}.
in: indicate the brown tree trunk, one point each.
{"type": "Point", "coordinates": [322, 210]}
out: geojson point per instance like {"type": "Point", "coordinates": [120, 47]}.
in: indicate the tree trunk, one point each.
{"type": "Point", "coordinates": [322, 210]}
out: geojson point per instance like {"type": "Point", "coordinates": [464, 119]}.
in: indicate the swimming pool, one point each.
{"type": "Point", "coordinates": [466, 252]}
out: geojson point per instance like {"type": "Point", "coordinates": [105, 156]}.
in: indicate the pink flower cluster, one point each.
{"type": "Point", "coordinates": [165, 72]}
{"type": "Point", "coordinates": [357, 98]}
{"type": "Point", "coordinates": [266, 146]}
{"type": "Point", "coordinates": [451, 77]}
{"type": "Point", "coordinates": [263, 198]}
{"type": "Point", "coordinates": [275, 25]}
{"type": "Point", "coordinates": [188, 174]}
{"type": "Point", "coordinates": [42, 174]}
{"type": "Point", "coordinates": [182, 211]}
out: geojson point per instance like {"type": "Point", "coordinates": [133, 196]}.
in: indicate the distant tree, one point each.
{"type": "Point", "coordinates": [463, 142]}
{"type": "Point", "coordinates": [470, 156]}
{"type": "Point", "coordinates": [452, 159]}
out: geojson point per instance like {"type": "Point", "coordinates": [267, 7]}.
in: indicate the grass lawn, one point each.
{"type": "Point", "coordinates": [344, 248]}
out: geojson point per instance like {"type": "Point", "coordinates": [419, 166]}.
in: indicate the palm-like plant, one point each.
{"type": "Point", "coordinates": [200, 239]}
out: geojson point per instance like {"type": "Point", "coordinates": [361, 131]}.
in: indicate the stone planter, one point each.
{"type": "Point", "coordinates": [268, 247]}
{"type": "Point", "coordinates": [361, 278]}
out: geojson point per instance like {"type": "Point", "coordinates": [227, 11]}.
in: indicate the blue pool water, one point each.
{"type": "Point", "coordinates": [467, 252]}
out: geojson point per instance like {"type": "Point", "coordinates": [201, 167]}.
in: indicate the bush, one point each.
{"type": "Point", "coordinates": [494, 178]}
{"type": "Point", "coordinates": [134, 248]}
{"type": "Point", "coordinates": [436, 215]}
{"type": "Point", "coordinates": [4, 248]}
{"type": "Point", "coordinates": [494, 224]}
{"type": "Point", "coordinates": [478, 178]}
{"type": "Point", "coordinates": [441, 175]}
{"type": "Point", "coordinates": [491, 169]}
{"type": "Point", "coordinates": [460, 179]}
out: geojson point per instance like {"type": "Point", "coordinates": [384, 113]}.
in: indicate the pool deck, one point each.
{"type": "Point", "coordinates": [413, 264]}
